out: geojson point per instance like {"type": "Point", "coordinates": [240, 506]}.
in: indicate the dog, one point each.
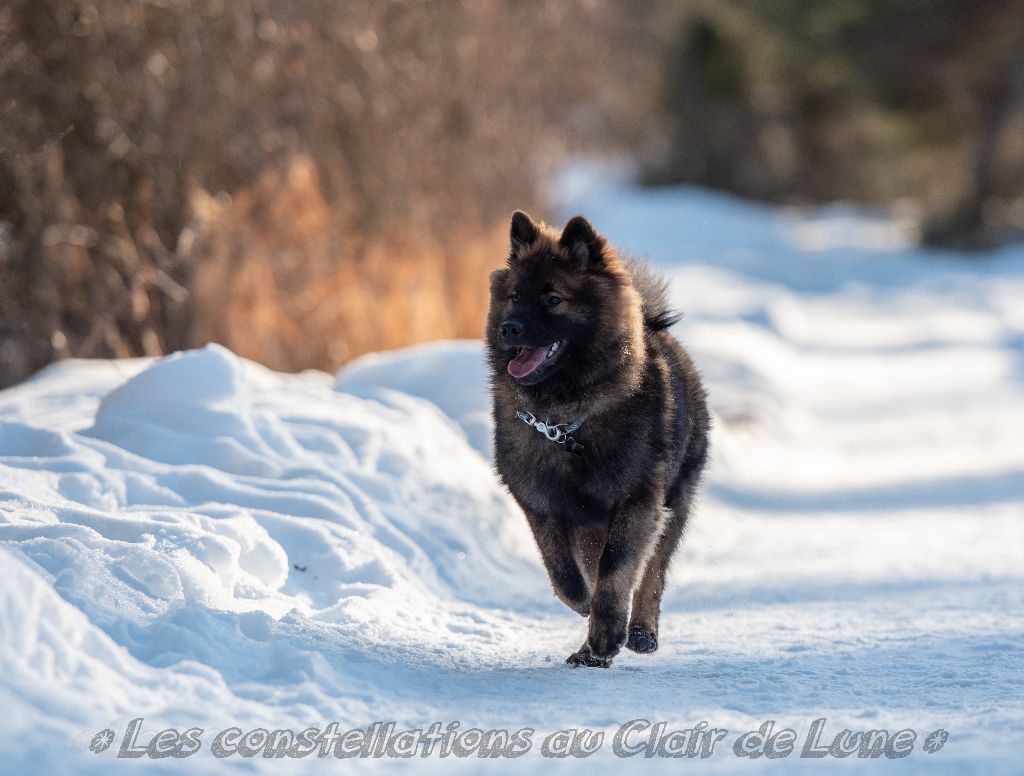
{"type": "Point", "coordinates": [601, 425]}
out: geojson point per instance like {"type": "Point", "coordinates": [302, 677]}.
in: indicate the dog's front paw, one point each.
{"type": "Point", "coordinates": [606, 638]}
{"type": "Point", "coordinates": [584, 657]}
{"type": "Point", "coordinates": [642, 640]}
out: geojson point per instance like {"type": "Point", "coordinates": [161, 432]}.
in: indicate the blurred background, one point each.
{"type": "Point", "coordinates": [307, 181]}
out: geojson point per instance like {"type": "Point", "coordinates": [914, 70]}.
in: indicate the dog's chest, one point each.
{"type": "Point", "coordinates": [547, 479]}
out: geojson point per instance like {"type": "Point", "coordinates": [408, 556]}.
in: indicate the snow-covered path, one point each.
{"type": "Point", "coordinates": [201, 542]}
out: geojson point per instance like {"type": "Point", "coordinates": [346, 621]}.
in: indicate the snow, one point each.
{"type": "Point", "coordinates": [199, 541]}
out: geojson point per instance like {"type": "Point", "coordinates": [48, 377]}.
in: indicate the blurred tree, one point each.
{"type": "Point", "coordinates": [816, 100]}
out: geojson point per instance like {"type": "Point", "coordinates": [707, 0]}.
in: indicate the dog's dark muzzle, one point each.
{"type": "Point", "coordinates": [510, 332]}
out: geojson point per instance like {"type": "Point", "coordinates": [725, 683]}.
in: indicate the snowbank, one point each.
{"type": "Point", "coordinates": [201, 542]}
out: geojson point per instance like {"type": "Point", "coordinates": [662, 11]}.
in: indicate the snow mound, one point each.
{"type": "Point", "coordinates": [452, 375]}
{"type": "Point", "coordinates": [215, 517]}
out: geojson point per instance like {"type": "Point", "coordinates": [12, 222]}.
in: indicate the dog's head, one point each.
{"type": "Point", "coordinates": [564, 313]}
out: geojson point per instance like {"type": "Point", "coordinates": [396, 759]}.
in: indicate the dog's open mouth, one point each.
{"type": "Point", "coordinates": [528, 361]}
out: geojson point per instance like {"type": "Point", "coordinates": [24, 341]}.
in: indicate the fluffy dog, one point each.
{"type": "Point", "coordinates": [600, 424]}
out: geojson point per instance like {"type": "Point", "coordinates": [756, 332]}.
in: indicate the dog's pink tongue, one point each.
{"type": "Point", "coordinates": [528, 360]}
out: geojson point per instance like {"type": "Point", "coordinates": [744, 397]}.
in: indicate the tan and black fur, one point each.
{"type": "Point", "coordinates": [606, 521]}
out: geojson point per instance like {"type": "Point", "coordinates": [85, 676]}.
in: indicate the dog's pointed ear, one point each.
{"type": "Point", "coordinates": [584, 246]}
{"type": "Point", "coordinates": [523, 232]}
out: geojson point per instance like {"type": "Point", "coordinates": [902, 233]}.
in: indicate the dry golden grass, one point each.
{"type": "Point", "coordinates": [277, 280]}
{"type": "Point", "coordinates": [302, 182]}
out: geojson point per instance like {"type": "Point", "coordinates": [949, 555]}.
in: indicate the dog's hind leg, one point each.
{"type": "Point", "coordinates": [646, 609]}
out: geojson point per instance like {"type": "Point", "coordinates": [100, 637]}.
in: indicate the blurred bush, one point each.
{"type": "Point", "coordinates": [301, 181]}
{"type": "Point", "coordinates": [305, 180]}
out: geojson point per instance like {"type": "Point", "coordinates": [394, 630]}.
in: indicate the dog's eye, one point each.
{"type": "Point", "coordinates": [553, 299]}
{"type": "Point", "coordinates": [514, 296]}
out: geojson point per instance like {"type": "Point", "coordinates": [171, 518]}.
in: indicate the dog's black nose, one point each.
{"type": "Point", "coordinates": [510, 328]}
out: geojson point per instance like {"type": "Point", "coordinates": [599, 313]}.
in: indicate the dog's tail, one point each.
{"type": "Point", "coordinates": [653, 289]}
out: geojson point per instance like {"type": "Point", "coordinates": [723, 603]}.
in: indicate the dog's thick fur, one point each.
{"type": "Point", "coordinates": [607, 521]}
